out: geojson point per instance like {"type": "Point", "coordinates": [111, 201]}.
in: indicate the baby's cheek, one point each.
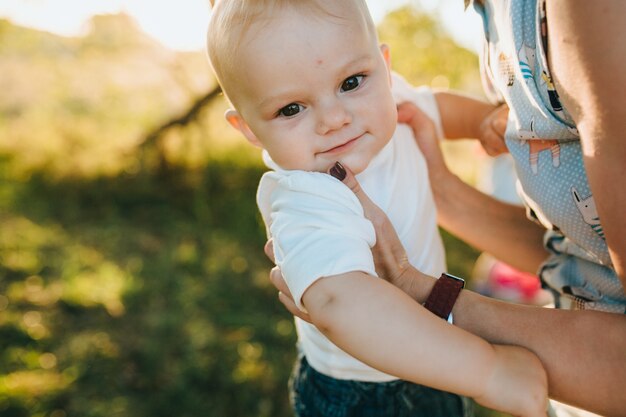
{"type": "Point", "coordinates": [290, 158]}
{"type": "Point", "coordinates": [389, 115]}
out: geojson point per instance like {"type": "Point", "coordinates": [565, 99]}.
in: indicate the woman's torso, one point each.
{"type": "Point", "coordinates": [543, 140]}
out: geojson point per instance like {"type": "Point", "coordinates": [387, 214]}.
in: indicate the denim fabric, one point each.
{"type": "Point", "coordinates": [313, 394]}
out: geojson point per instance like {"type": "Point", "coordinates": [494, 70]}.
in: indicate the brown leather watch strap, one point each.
{"type": "Point", "coordinates": [444, 294]}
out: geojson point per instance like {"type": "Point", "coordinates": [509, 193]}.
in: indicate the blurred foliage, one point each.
{"type": "Point", "coordinates": [425, 54]}
{"type": "Point", "coordinates": [80, 106]}
{"type": "Point", "coordinates": [140, 296]}
{"type": "Point", "coordinates": [132, 288]}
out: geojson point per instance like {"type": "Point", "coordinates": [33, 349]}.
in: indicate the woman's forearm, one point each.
{"type": "Point", "coordinates": [489, 225]}
{"type": "Point", "coordinates": [582, 351]}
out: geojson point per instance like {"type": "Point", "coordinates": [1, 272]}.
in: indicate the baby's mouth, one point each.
{"type": "Point", "coordinates": [344, 146]}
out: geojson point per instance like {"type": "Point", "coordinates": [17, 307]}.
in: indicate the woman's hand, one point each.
{"type": "Point", "coordinates": [390, 258]}
{"type": "Point", "coordinates": [284, 295]}
{"type": "Point", "coordinates": [427, 140]}
{"type": "Point", "coordinates": [441, 179]}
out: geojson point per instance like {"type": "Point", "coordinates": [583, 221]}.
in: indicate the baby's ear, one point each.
{"type": "Point", "coordinates": [386, 52]}
{"type": "Point", "coordinates": [235, 120]}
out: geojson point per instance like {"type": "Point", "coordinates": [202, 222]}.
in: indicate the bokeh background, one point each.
{"type": "Point", "coordinates": [132, 276]}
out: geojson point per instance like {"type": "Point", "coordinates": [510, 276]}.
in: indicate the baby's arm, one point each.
{"type": "Point", "coordinates": [368, 317]}
{"type": "Point", "coordinates": [380, 325]}
{"type": "Point", "coordinates": [467, 117]}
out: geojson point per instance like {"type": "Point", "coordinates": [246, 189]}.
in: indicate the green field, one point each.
{"type": "Point", "coordinates": [143, 296]}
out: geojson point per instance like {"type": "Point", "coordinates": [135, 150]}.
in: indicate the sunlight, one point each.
{"type": "Point", "coordinates": [177, 25]}
{"type": "Point", "coordinates": [63, 17]}
{"type": "Point", "coordinates": [182, 25]}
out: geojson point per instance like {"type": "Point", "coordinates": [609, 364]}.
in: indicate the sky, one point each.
{"type": "Point", "coordinates": [181, 24]}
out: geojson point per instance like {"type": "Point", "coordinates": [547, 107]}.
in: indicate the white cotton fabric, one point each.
{"type": "Point", "coordinates": [319, 229]}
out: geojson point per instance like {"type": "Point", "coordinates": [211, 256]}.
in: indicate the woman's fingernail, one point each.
{"type": "Point", "coordinates": [338, 171]}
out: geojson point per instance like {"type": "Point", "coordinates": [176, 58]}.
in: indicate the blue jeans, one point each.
{"type": "Point", "coordinates": [313, 394]}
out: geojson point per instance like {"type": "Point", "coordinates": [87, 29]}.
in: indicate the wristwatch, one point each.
{"type": "Point", "coordinates": [443, 295]}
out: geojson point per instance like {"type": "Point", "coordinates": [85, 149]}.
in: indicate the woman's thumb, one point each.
{"type": "Point", "coordinates": [346, 176]}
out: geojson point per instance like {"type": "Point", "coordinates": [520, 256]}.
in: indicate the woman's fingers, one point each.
{"type": "Point", "coordinates": [269, 249]}
{"type": "Point", "coordinates": [345, 175]}
{"type": "Point", "coordinates": [390, 257]}
{"type": "Point", "coordinates": [425, 135]}
{"type": "Point", "coordinates": [276, 278]}
{"type": "Point", "coordinates": [284, 295]}
{"type": "Point", "coordinates": [292, 308]}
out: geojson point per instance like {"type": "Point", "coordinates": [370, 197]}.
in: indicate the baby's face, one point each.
{"type": "Point", "coordinates": [314, 91]}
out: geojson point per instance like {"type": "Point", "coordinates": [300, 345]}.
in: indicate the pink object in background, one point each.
{"type": "Point", "coordinates": [499, 280]}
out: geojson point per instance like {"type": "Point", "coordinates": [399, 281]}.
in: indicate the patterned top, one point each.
{"type": "Point", "coordinates": [544, 142]}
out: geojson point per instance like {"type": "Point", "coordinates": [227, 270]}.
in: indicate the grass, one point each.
{"type": "Point", "coordinates": [143, 295]}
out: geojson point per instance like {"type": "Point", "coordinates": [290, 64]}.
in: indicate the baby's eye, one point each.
{"type": "Point", "coordinates": [352, 82]}
{"type": "Point", "coordinates": [290, 110]}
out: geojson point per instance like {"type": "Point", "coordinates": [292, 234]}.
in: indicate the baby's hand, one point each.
{"type": "Point", "coordinates": [492, 130]}
{"type": "Point", "coordinates": [518, 383]}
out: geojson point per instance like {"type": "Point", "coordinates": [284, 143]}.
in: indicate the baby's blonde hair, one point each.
{"type": "Point", "coordinates": [231, 19]}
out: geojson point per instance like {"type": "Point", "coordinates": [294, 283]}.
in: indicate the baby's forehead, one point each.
{"type": "Point", "coordinates": [247, 37]}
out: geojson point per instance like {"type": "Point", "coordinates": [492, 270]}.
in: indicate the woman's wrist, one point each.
{"type": "Point", "coordinates": [416, 284]}
{"type": "Point", "coordinates": [441, 178]}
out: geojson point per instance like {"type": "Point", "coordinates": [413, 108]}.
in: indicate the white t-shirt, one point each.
{"type": "Point", "coordinates": [319, 229]}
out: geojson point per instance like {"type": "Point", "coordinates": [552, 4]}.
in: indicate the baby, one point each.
{"type": "Point", "coordinates": [310, 85]}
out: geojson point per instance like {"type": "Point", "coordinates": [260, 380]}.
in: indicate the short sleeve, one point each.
{"type": "Point", "coordinates": [318, 227]}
